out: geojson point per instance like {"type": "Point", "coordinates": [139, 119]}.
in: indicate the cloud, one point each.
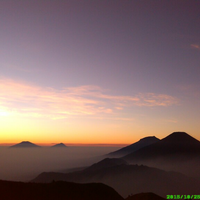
{"type": "Point", "coordinates": [20, 98]}
{"type": "Point", "coordinates": [195, 46]}
{"type": "Point", "coordinates": [151, 99]}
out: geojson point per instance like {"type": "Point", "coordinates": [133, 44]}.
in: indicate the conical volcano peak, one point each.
{"type": "Point", "coordinates": [25, 144]}
{"type": "Point", "coordinates": [149, 138]}
{"type": "Point", "coordinates": [179, 133]}
{"type": "Point", "coordinates": [134, 147]}
{"type": "Point", "coordinates": [59, 145]}
{"type": "Point", "coordinates": [180, 137]}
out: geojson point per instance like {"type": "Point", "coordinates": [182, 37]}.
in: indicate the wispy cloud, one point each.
{"type": "Point", "coordinates": [26, 99]}
{"type": "Point", "coordinates": [195, 46]}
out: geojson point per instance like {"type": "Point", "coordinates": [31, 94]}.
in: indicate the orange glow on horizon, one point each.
{"type": "Point", "coordinates": [70, 144]}
{"type": "Point", "coordinates": [85, 115]}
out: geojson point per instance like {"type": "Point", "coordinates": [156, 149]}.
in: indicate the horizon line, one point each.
{"type": "Point", "coordinates": [70, 144]}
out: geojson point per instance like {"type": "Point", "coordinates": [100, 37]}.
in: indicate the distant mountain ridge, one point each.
{"type": "Point", "coordinates": [127, 179]}
{"type": "Point", "coordinates": [134, 147]}
{"type": "Point", "coordinates": [106, 163]}
{"type": "Point", "coordinates": [25, 144]}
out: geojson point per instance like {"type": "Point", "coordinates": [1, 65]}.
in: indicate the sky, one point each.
{"type": "Point", "coordinates": [98, 71]}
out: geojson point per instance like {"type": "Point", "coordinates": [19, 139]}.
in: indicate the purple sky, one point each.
{"type": "Point", "coordinates": [133, 66]}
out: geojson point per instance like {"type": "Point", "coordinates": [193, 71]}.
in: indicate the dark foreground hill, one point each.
{"type": "Point", "coordinates": [129, 179]}
{"type": "Point", "coordinates": [24, 144]}
{"type": "Point", "coordinates": [56, 191]}
{"type": "Point", "coordinates": [133, 147]}
{"type": "Point", "coordinates": [145, 196]}
{"type": "Point", "coordinates": [178, 151]}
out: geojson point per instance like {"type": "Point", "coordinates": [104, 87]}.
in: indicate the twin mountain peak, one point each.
{"type": "Point", "coordinates": [176, 141]}
{"type": "Point", "coordinates": [27, 144]}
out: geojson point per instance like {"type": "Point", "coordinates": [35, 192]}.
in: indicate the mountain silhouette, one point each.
{"type": "Point", "coordinates": [134, 147]}
{"type": "Point", "coordinates": [175, 143]}
{"type": "Point", "coordinates": [128, 179]}
{"type": "Point", "coordinates": [56, 190]}
{"type": "Point", "coordinates": [107, 162]}
{"type": "Point", "coordinates": [178, 151]}
{"type": "Point", "coordinates": [145, 196]}
{"type": "Point", "coordinates": [59, 145]}
{"type": "Point", "coordinates": [181, 138]}
{"type": "Point", "coordinates": [25, 144]}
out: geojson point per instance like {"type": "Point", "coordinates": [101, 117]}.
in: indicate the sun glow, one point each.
{"type": "Point", "coordinates": [4, 113]}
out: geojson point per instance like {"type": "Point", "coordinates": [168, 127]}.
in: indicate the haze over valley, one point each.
{"type": "Point", "coordinates": [23, 164]}
{"type": "Point", "coordinates": [150, 164]}
{"type": "Point", "coordinates": [175, 160]}
{"type": "Point", "coordinates": [99, 99]}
